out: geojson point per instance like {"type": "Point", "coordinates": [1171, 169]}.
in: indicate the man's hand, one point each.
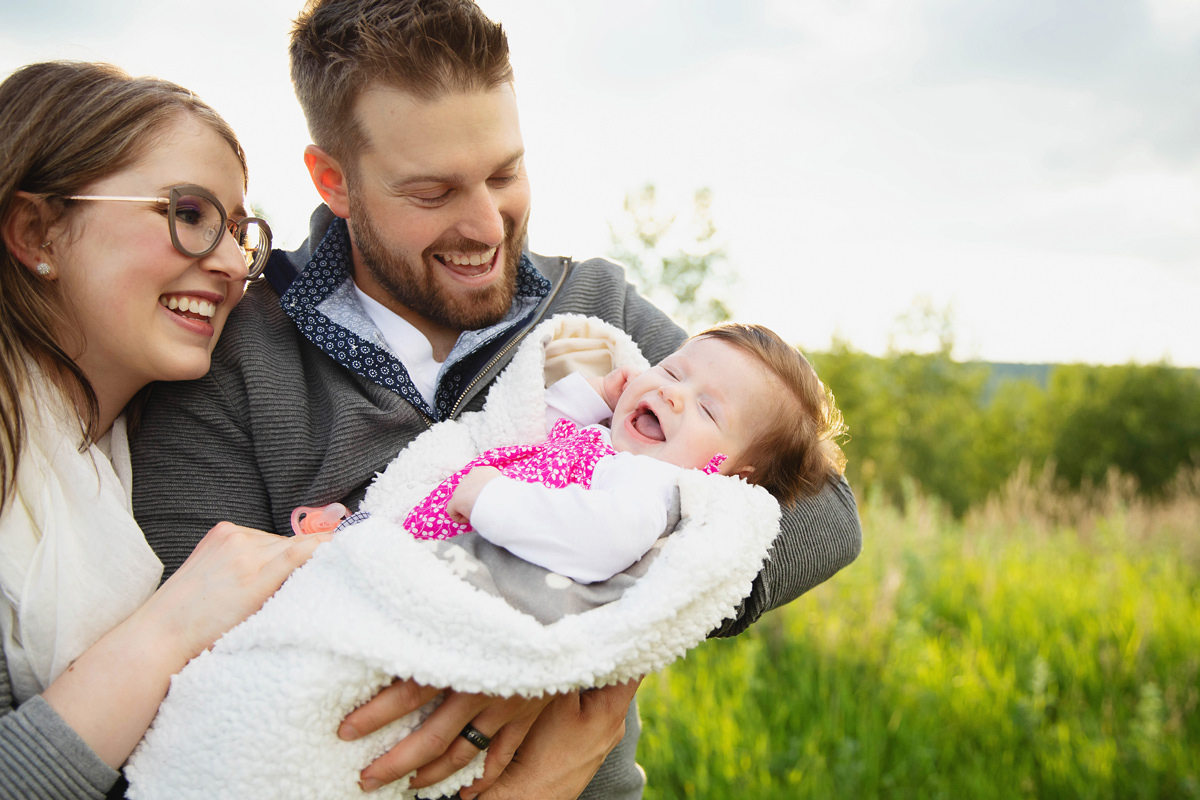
{"type": "Point", "coordinates": [435, 750]}
{"type": "Point", "coordinates": [565, 747]}
{"type": "Point", "coordinates": [559, 751]}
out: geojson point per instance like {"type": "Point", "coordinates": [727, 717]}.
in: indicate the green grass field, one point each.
{"type": "Point", "coordinates": [1034, 649]}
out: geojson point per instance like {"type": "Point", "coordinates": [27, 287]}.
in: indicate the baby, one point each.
{"type": "Point", "coordinates": [591, 500]}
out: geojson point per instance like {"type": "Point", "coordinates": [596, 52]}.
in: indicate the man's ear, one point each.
{"type": "Point", "coordinates": [26, 229]}
{"type": "Point", "coordinates": [329, 178]}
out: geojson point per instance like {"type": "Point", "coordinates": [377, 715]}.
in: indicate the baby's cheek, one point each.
{"type": "Point", "coordinates": [620, 441]}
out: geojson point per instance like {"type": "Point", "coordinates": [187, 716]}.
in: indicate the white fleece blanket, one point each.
{"type": "Point", "coordinates": [257, 716]}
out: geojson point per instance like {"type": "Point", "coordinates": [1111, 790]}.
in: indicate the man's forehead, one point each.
{"type": "Point", "coordinates": [471, 128]}
{"type": "Point", "coordinates": [383, 105]}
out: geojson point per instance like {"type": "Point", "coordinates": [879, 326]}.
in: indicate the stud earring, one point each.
{"type": "Point", "coordinates": [43, 269]}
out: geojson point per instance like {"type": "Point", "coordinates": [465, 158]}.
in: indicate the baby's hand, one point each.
{"type": "Point", "coordinates": [611, 385]}
{"type": "Point", "coordinates": [462, 502]}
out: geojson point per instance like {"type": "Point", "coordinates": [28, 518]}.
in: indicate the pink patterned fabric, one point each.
{"type": "Point", "coordinates": [568, 457]}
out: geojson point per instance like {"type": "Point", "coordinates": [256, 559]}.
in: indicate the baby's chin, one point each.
{"type": "Point", "coordinates": [625, 442]}
{"type": "Point", "coordinates": [621, 442]}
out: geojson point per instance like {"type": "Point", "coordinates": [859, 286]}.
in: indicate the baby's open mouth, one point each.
{"type": "Point", "coordinates": [646, 423]}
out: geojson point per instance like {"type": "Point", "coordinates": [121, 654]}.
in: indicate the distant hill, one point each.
{"type": "Point", "coordinates": [998, 372]}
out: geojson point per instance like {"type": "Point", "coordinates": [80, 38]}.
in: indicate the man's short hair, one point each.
{"type": "Point", "coordinates": [425, 47]}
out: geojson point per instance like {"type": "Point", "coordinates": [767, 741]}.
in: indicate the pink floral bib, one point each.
{"type": "Point", "coordinates": [567, 457]}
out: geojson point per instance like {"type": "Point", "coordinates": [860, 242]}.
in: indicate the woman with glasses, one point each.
{"type": "Point", "coordinates": [126, 242]}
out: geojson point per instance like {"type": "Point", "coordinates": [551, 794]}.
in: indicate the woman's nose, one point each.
{"type": "Point", "coordinates": [228, 258]}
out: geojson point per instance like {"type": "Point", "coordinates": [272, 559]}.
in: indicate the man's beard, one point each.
{"type": "Point", "coordinates": [415, 286]}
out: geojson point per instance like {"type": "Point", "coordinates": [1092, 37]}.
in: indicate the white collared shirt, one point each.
{"type": "Point", "coordinates": [408, 345]}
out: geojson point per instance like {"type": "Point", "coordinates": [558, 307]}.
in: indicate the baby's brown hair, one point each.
{"type": "Point", "coordinates": [799, 451]}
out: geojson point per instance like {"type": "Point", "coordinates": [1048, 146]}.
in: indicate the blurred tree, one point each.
{"type": "Point", "coordinates": [1144, 420]}
{"type": "Point", "coordinates": [860, 384]}
{"type": "Point", "coordinates": [1014, 428]}
{"type": "Point", "coordinates": [923, 328]}
{"type": "Point", "coordinates": [913, 417]}
{"type": "Point", "coordinates": [939, 403]}
{"type": "Point", "coordinates": [683, 269]}
{"type": "Point", "coordinates": [924, 418]}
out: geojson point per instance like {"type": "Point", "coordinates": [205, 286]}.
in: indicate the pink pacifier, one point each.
{"type": "Point", "coordinates": [306, 519]}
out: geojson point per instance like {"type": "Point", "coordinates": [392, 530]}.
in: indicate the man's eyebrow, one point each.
{"type": "Point", "coordinates": [451, 178]}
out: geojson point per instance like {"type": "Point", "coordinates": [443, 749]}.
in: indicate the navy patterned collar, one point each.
{"type": "Point", "coordinates": [322, 303]}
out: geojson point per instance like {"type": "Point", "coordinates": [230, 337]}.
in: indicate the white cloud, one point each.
{"type": "Point", "coordinates": [1036, 163]}
{"type": "Point", "coordinates": [1177, 21]}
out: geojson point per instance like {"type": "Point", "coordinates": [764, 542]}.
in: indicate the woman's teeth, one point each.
{"type": "Point", "coordinates": [193, 305]}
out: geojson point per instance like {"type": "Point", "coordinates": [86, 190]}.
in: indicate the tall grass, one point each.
{"type": "Point", "coordinates": [1045, 646]}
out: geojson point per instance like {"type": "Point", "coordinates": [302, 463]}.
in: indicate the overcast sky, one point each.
{"type": "Point", "coordinates": [1033, 165]}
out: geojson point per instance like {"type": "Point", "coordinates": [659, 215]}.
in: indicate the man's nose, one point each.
{"type": "Point", "coordinates": [481, 220]}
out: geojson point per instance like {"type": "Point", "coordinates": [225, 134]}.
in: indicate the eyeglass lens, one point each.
{"type": "Point", "coordinates": [255, 243]}
{"type": "Point", "coordinates": [199, 223]}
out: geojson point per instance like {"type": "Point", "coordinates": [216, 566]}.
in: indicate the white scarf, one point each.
{"type": "Point", "coordinates": [73, 562]}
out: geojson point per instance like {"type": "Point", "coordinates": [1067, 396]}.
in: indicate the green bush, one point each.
{"type": "Point", "coordinates": [1143, 421]}
{"type": "Point", "coordinates": [960, 433]}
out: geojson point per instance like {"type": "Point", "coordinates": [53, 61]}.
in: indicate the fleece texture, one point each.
{"type": "Point", "coordinates": [257, 715]}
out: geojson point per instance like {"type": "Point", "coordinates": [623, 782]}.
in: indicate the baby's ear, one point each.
{"type": "Point", "coordinates": [743, 472]}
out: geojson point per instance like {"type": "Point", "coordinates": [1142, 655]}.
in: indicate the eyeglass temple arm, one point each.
{"type": "Point", "coordinates": [118, 197]}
